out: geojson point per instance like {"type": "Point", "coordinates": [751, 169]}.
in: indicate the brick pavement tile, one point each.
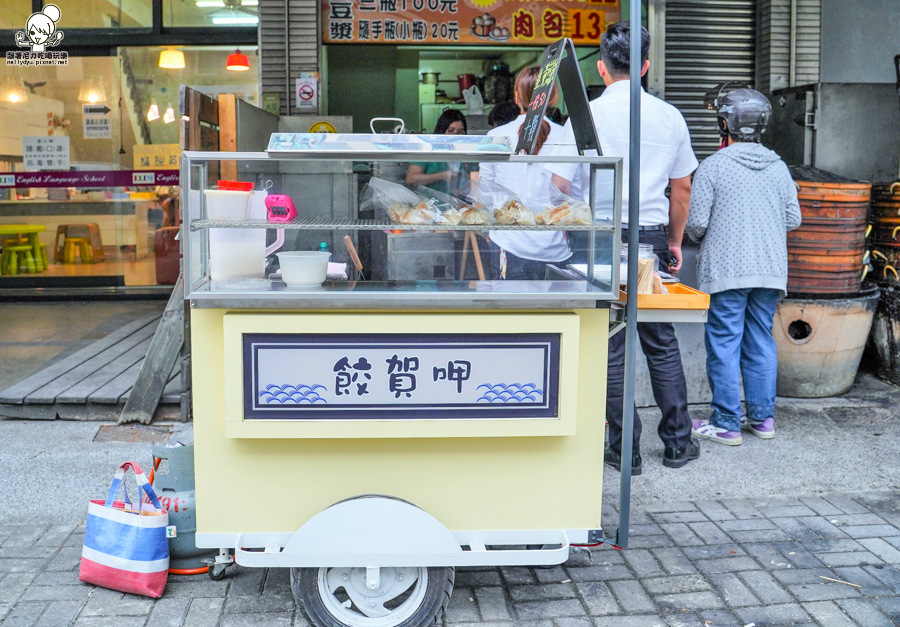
{"type": "Point", "coordinates": [890, 606]}
{"type": "Point", "coordinates": [77, 537]}
{"type": "Point", "coordinates": [681, 534]}
{"type": "Point", "coordinates": [690, 601]}
{"type": "Point", "coordinates": [56, 535]}
{"type": "Point", "coordinates": [713, 551]}
{"type": "Point", "coordinates": [68, 558]}
{"type": "Point", "coordinates": [602, 557]}
{"type": "Point", "coordinates": [648, 620]}
{"type": "Point", "coordinates": [820, 506]}
{"type": "Point", "coordinates": [462, 607]}
{"type": "Point", "coordinates": [536, 610]}
{"type": "Point", "coordinates": [278, 581]}
{"type": "Point", "coordinates": [674, 561]}
{"type": "Point", "coordinates": [56, 578]}
{"type": "Point", "coordinates": [513, 575]}
{"type": "Point", "coordinates": [845, 504]}
{"type": "Point", "coordinates": [18, 565]}
{"type": "Point", "coordinates": [597, 598]}
{"type": "Point", "coordinates": [679, 517]}
{"type": "Point", "coordinates": [631, 597]}
{"type": "Point", "coordinates": [542, 592]}
{"type": "Point", "coordinates": [824, 591]}
{"type": "Point", "coordinates": [57, 593]}
{"type": "Point", "coordinates": [205, 587]}
{"type": "Point", "coordinates": [882, 549]}
{"type": "Point", "coordinates": [733, 590]}
{"type": "Point", "coordinates": [709, 533]}
{"type": "Point", "coordinates": [888, 575]}
{"type": "Point", "coordinates": [479, 578]}
{"type": "Point", "coordinates": [674, 506]}
{"type": "Point", "coordinates": [492, 603]}
{"type": "Point", "coordinates": [676, 585]}
{"type": "Point", "coordinates": [574, 621]}
{"type": "Point", "coordinates": [765, 535]}
{"type": "Point", "coordinates": [797, 555]}
{"type": "Point", "coordinates": [550, 575]}
{"type": "Point", "coordinates": [110, 621]}
{"type": "Point", "coordinates": [865, 613]}
{"type": "Point", "coordinates": [244, 604]}
{"type": "Point", "coordinates": [644, 530]}
{"type": "Point", "coordinates": [600, 573]}
{"type": "Point", "coordinates": [24, 614]}
{"type": "Point", "coordinates": [773, 614]}
{"type": "Point", "coordinates": [856, 558]}
{"type": "Point", "coordinates": [871, 587]}
{"type": "Point", "coordinates": [765, 587]}
{"type": "Point", "coordinates": [767, 555]}
{"type": "Point", "coordinates": [60, 614]}
{"type": "Point", "coordinates": [13, 585]}
{"type": "Point", "coordinates": [246, 581]}
{"type": "Point", "coordinates": [32, 552]}
{"type": "Point", "coordinates": [803, 575]}
{"type": "Point", "coordinates": [774, 500]}
{"type": "Point", "coordinates": [102, 605]}
{"type": "Point", "coordinates": [25, 535]}
{"type": "Point", "coordinates": [894, 541]}
{"type": "Point", "coordinates": [714, 510]}
{"type": "Point", "coordinates": [726, 565]}
{"type": "Point", "coordinates": [871, 531]}
{"type": "Point", "coordinates": [741, 508]}
{"type": "Point", "coordinates": [683, 619]}
{"type": "Point", "coordinates": [643, 563]}
{"type": "Point", "coordinates": [169, 613]}
{"type": "Point", "coordinates": [834, 545]}
{"type": "Point", "coordinates": [795, 528]}
{"type": "Point", "coordinates": [719, 618]}
{"type": "Point", "coordinates": [650, 542]}
{"type": "Point", "coordinates": [848, 520]}
{"type": "Point", "coordinates": [786, 511]}
{"type": "Point", "coordinates": [5, 608]}
{"type": "Point", "coordinates": [299, 620]}
{"type": "Point", "coordinates": [879, 501]}
{"type": "Point", "coordinates": [828, 613]}
{"type": "Point", "coordinates": [823, 527]}
{"type": "Point", "coordinates": [750, 524]}
{"type": "Point", "coordinates": [267, 619]}
{"type": "Point", "coordinates": [205, 612]}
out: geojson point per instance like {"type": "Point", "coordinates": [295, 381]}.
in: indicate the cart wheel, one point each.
{"type": "Point", "coordinates": [406, 597]}
{"type": "Point", "coordinates": [217, 572]}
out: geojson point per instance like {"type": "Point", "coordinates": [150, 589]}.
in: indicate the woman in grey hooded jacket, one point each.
{"type": "Point", "coordinates": [743, 203]}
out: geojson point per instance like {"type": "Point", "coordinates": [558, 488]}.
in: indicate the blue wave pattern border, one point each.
{"type": "Point", "coordinates": [510, 393]}
{"type": "Point", "coordinates": [292, 394]}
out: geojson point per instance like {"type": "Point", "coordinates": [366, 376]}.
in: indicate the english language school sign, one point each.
{"type": "Point", "coordinates": [489, 22]}
{"type": "Point", "coordinates": [396, 377]}
{"type": "Point", "coordinates": [104, 178]}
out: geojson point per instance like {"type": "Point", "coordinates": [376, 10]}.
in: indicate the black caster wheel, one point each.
{"type": "Point", "coordinates": [217, 571]}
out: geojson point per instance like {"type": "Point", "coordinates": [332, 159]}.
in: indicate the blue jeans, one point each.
{"type": "Point", "coordinates": [739, 342]}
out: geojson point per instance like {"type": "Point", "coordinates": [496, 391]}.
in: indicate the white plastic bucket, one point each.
{"type": "Point", "coordinates": [224, 204]}
{"type": "Point", "coordinates": [301, 268]}
{"type": "Point", "coordinates": [239, 253]}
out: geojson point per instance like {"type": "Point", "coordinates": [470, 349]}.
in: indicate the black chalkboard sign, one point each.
{"type": "Point", "coordinates": [559, 61]}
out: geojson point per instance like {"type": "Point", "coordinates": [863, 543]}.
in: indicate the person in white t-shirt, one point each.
{"type": "Point", "coordinates": [527, 252]}
{"type": "Point", "coordinates": [667, 160]}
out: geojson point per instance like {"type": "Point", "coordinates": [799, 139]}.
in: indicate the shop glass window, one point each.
{"type": "Point", "coordinates": [211, 13]}
{"type": "Point", "coordinates": [14, 14]}
{"type": "Point", "coordinates": [104, 13]}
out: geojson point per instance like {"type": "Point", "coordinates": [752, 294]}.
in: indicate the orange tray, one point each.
{"type": "Point", "coordinates": [679, 297]}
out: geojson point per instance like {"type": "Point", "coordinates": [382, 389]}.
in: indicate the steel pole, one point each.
{"type": "Point", "coordinates": [634, 188]}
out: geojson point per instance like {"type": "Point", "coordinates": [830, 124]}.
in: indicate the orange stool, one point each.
{"type": "Point", "coordinates": [79, 244]}
{"type": "Point", "coordinates": [88, 232]}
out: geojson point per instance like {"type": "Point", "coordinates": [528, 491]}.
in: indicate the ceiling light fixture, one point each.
{"type": "Point", "coordinates": [153, 111]}
{"type": "Point", "coordinates": [219, 4]}
{"type": "Point", "coordinates": [169, 115]}
{"type": "Point", "coordinates": [171, 60]}
{"type": "Point", "coordinates": [246, 20]}
{"type": "Point", "coordinates": [237, 62]}
{"type": "Point", "coordinates": [92, 90]}
{"type": "Point", "coordinates": [13, 90]}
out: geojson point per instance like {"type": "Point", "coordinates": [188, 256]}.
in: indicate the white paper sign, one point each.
{"type": "Point", "coordinates": [307, 92]}
{"type": "Point", "coordinates": [401, 376]}
{"type": "Point", "coordinates": [45, 153]}
{"type": "Point", "coordinates": [97, 123]}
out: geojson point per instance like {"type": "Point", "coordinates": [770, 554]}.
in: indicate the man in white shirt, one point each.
{"type": "Point", "coordinates": [667, 160]}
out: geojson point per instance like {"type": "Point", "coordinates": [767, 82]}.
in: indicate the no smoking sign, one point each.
{"type": "Point", "coordinates": [308, 91]}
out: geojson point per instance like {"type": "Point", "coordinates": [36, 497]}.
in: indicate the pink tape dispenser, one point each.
{"type": "Point", "coordinates": [280, 208]}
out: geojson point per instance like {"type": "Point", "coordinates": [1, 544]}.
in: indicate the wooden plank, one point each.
{"type": "Point", "coordinates": [209, 110]}
{"type": "Point", "coordinates": [111, 393]}
{"type": "Point", "coordinates": [228, 134]}
{"type": "Point", "coordinates": [172, 392]}
{"type": "Point", "coordinates": [164, 351]}
{"type": "Point", "coordinates": [108, 413]}
{"type": "Point", "coordinates": [81, 391]}
{"type": "Point", "coordinates": [28, 412]}
{"type": "Point", "coordinates": [16, 394]}
{"type": "Point", "coordinates": [49, 392]}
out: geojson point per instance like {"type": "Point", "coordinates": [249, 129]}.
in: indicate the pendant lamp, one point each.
{"type": "Point", "coordinates": [238, 62]}
{"type": "Point", "coordinates": [153, 111]}
{"type": "Point", "coordinates": [13, 90]}
{"type": "Point", "coordinates": [171, 59]}
{"type": "Point", "coordinates": [92, 90]}
{"type": "Point", "coordinates": [169, 115]}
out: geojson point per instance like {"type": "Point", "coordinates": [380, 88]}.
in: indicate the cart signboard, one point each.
{"type": "Point", "coordinates": [388, 376]}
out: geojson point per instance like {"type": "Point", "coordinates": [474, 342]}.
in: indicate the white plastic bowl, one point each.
{"type": "Point", "coordinates": [301, 268]}
{"type": "Point", "coordinates": [226, 204]}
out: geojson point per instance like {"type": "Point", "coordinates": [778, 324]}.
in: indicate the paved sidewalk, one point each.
{"type": "Point", "coordinates": [704, 563]}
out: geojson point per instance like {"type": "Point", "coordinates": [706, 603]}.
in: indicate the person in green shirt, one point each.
{"type": "Point", "coordinates": [442, 177]}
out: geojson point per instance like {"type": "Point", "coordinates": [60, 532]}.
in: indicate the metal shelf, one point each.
{"type": "Point", "coordinates": [378, 225]}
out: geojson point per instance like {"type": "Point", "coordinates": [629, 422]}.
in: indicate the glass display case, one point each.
{"type": "Point", "coordinates": [438, 264]}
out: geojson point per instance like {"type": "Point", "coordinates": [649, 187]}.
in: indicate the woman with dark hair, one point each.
{"type": "Point", "coordinates": [442, 177]}
{"type": "Point", "coordinates": [526, 253]}
{"type": "Point", "coordinates": [503, 113]}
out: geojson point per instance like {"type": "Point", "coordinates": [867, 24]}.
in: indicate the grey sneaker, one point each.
{"type": "Point", "coordinates": [764, 429]}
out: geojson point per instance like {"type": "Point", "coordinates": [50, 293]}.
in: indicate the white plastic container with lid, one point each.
{"type": "Point", "coordinates": [302, 268]}
{"type": "Point", "coordinates": [238, 253]}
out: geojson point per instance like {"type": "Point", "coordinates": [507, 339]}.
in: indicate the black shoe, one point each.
{"type": "Point", "coordinates": [615, 460]}
{"type": "Point", "coordinates": [678, 457]}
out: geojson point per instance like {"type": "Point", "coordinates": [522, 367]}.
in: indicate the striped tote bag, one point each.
{"type": "Point", "coordinates": [125, 544]}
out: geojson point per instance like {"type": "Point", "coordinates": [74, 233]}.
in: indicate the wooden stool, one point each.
{"type": "Point", "coordinates": [17, 258]}
{"type": "Point", "coordinates": [88, 232]}
{"type": "Point", "coordinates": [82, 246]}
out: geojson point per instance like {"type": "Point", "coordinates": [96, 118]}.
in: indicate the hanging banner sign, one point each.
{"type": "Point", "coordinates": [488, 22]}
{"type": "Point", "coordinates": [103, 178]}
{"type": "Point", "coordinates": [156, 156]}
{"type": "Point", "coordinates": [397, 377]}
